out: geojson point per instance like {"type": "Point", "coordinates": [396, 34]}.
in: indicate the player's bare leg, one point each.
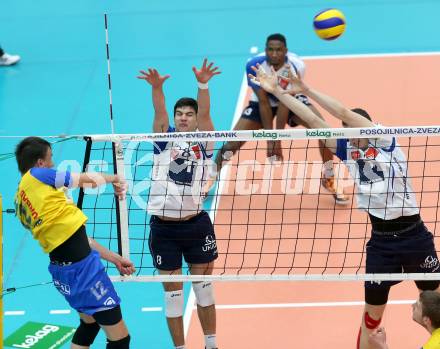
{"type": "Point", "coordinates": [205, 303]}
{"type": "Point", "coordinates": [371, 318]}
{"type": "Point", "coordinates": [174, 307]}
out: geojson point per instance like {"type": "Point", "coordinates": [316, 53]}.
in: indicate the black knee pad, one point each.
{"type": "Point", "coordinates": [108, 317]}
{"type": "Point", "coordinates": [85, 334]}
{"type": "Point", "coordinates": [427, 285]}
{"type": "Point", "coordinates": [123, 343]}
{"type": "Point", "coordinates": [377, 295]}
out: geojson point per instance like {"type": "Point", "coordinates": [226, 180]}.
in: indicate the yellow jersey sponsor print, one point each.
{"type": "Point", "coordinates": [43, 208]}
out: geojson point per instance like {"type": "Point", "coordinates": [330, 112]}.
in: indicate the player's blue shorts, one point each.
{"type": "Point", "coordinates": [193, 239]}
{"type": "Point", "coordinates": [410, 251]}
{"type": "Point", "coordinates": [85, 285]}
{"type": "Point", "coordinates": [252, 111]}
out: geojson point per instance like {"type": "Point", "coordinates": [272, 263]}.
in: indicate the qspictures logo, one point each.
{"type": "Point", "coordinates": [35, 335]}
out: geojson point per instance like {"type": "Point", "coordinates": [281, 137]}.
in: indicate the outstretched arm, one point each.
{"type": "Point", "coordinates": [269, 82]}
{"type": "Point", "coordinates": [95, 179]}
{"type": "Point", "coordinates": [203, 75]}
{"type": "Point", "coordinates": [161, 120]}
{"type": "Point", "coordinates": [330, 104]}
{"type": "Point", "coordinates": [124, 266]}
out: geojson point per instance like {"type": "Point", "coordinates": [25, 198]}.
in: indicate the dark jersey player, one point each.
{"type": "Point", "coordinates": [179, 225]}
{"type": "Point", "coordinates": [399, 242]}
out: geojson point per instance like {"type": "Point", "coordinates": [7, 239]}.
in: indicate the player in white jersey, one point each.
{"type": "Point", "coordinates": [179, 226]}
{"type": "Point", "coordinates": [264, 106]}
{"type": "Point", "coordinates": [399, 242]}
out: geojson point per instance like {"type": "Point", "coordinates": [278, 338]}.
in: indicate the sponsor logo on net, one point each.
{"type": "Point", "coordinates": [374, 131]}
{"type": "Point", "coordinates": [184, 135]}
{"type": "Point", "coordinates": [371, 131]}
{"type": "Point", "coordinates": [32, 339]}
{"type": "Point", "coordinates": [318, 133]}
{"type": "Point", "coordinates": [264, 134]}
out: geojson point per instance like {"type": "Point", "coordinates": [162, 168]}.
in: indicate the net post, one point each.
{"type": "Point", "coordinates": [1, 272]}
{"type": "Point", "coordinates": [121, 205]}
{"type": "Point", "coordinates": [84, 169]}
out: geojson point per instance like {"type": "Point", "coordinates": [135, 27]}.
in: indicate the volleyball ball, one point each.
{"type": "Point", "coordinates": [329, 24]}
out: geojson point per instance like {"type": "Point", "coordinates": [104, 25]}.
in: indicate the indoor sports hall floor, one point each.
{"type": "Point", "coordinates": [60, 87]}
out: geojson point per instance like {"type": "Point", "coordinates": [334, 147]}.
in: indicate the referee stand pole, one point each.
{"type": "Point", "coordinates": [1, 273]}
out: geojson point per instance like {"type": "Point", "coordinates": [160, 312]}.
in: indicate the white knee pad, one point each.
{"type": "Point", "coordinates": [204, 293]}
{"type": "Point", "coordinates": [174, 303]}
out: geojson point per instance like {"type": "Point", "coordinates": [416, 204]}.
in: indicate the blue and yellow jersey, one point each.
{"type": "Point", "coordinates": [434, 341]}
{"type": "Point", "coordinates": [43, 208]}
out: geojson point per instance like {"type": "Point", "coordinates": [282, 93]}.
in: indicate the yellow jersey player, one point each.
{"type": "Point", "coordinates": [426, 312]}
{"type": "Point", "coordinates": [59, 227]}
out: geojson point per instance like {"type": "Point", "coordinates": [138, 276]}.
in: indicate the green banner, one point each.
{"type": "Point", "coordinates": [36, 335]}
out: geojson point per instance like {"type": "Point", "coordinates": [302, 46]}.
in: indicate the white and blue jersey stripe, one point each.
{"type": "Point", "coordinates": [179, 173]}
{"type": "Point", "coordinates": [380, 172]}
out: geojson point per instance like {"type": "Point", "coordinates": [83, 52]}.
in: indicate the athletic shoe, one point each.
{"type": "Point", "coordinates": [8, 59]}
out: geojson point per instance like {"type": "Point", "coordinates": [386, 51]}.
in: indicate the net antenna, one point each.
{"type": "Point", "coordinates": [109, 77]}
{"type": "Point", "coordinates": [118, 164]}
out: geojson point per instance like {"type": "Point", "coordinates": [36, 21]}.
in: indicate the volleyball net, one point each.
{"type": "Point", "coordinates": [273, 219]}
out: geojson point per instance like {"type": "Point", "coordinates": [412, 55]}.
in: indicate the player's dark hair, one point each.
{"type": "Point", "coordinates": [29, 151]}
{"type": "Point", "coordinates": [276, 37]}
{"type": "Point", "coordinates": [186, 102]}
{"type": "Point", "coordinates": [430, 301]}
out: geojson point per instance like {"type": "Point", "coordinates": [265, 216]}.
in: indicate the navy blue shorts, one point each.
{"type": "Point", "coordinates": [193, 239]}
{"type": "Point", "coordinates": [411, 252]}
{"type": "Point", "coordinates": [252, 111]}
{"type": "Point", "coordinates": [85, 285]}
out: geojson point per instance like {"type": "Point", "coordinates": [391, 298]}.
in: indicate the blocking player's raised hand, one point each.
{"type": "Point", "coordinates": [296, 85]}
{"type": "Point", "coordinates": [267, 81]}
{"type": "Point", "coordinates": [153, 77]}
{"type": "Point", "coordinates": [206, 72]}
